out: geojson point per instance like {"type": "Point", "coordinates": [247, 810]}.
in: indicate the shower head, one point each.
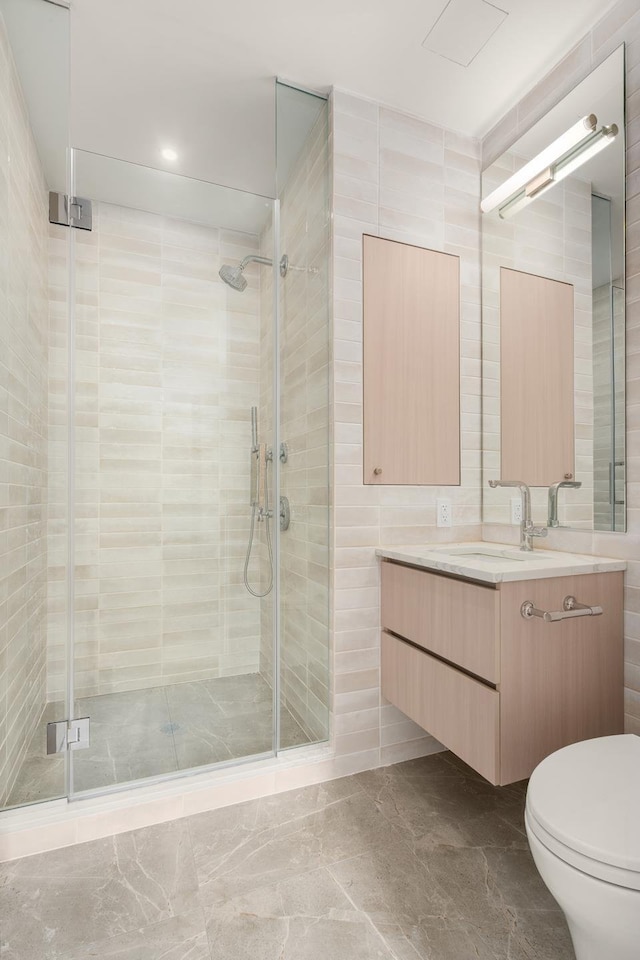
{"type": "Point", "coordinates": [233, 277]}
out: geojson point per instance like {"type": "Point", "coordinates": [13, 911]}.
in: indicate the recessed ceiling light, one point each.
{"type": "Point", "coordinates": [169, 154]}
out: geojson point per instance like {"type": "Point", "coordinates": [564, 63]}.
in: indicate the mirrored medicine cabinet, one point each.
{"type": "Point", "coordinates": [553, 307]}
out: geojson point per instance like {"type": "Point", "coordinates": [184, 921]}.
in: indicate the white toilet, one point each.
{"type": "Point", "coordinates": [583, 825]}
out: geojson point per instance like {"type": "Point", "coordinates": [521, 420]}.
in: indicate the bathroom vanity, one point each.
{"type": "Point", "coordinates": [503, 657]}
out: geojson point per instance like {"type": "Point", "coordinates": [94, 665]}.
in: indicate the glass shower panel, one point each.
{"type": "Point", "coordinates": [304, 365]}
{"type": "Point", "coordinates": [34, 53]}
{"type": "Point", "coordinates": [173, 308]}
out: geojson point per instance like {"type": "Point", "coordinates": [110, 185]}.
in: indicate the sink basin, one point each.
{"type": "Point", "coordinates": [488, 554]}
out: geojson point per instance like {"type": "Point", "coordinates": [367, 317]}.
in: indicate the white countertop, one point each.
{"type": "Point", "coordinates": [510, 564]}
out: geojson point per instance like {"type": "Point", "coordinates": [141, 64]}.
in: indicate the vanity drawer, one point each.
{"type": "Point", "coordinates": [457, 710]}
{"type": "Point", "coordinates": [455, 619]}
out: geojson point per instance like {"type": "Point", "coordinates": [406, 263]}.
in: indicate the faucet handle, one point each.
{"type": "Point", "coordinates": [537, 531]}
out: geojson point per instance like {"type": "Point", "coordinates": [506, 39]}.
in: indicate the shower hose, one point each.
{"type": "Point", "coordinates": [254, 509]}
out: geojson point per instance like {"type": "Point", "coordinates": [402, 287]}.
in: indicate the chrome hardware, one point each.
{"type": "Point", "coordinates": [532, 531]}
{"type": "Point", "coordinates": [284, 453]}
{"type": "Point", "coordinates": [570, 609]}
{"type": "Point", "coordinates": [568, 476]}
{"type": "Point", "coordinates": [612, 482]}
{"type": "Point", "coordinates": [377, 471]}
{"type": "Point", "coordinates": [527, 528]}
{"type": "Point", "coordinates": [552, 520]}
{"type": "Point", "coordinates": [68, 735]}
{"type": "Point", "coordinates": [285, 513]}
{"type": "Point", "coordinates": [70, 211]}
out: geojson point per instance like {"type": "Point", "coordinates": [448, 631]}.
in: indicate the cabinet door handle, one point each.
{"type": "Point", "coordinates": [377, 471]}
{"type": "Point", "coordinates": [570, 609]}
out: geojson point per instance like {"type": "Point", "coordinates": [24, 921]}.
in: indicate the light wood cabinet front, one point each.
{"type": "Point", "coordinates": [536, 379]}
{"type": "Point", "coordinates": [457, 710]}
{"type": "Point", "coordinates": [411, 357]}
{"type": "Point", "coordinates": [537, 685]}
{"type": "Point", "coordinates": [456, 620]}
{"type": "Point", "coordinates": [561, 681]}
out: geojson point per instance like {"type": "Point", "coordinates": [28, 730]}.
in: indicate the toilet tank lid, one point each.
{"type": "Point", "coordinates": [587, 796]}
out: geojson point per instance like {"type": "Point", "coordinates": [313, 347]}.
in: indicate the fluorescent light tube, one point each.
{"type": "Point", "coordinates": [563, 168]}
{"type": "Point", "coordinates": [571, 138]}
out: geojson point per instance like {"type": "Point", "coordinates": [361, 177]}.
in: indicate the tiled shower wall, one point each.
{"type": "Point", "coordinates": [167, 370]}
{"type": "Point", "coordinates": [408, 180]}
{"type": "Point", "coordinates": [551, 238]}
{"type": "Point", "coordinates": [23, 426]}
{"type": "Point", "coordinates": [621, 24]}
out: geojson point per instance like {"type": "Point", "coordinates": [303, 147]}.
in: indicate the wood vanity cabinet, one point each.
{"type": "Point", "coordinates": [500, 691]}
{"type": "Point", "coordinates": [411, 364]}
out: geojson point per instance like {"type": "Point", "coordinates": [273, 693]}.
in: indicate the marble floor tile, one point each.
{"type": "Point", "coordinates": [178, 938]}
{"type": "Point", "coordinates": [40, 778]}
{"type": "Point", "coordinates": [61, 901]}
{"type": "Point", "coordinates": [304, 918]}
{"type": "Point", "coordinates": [423, 860]}
{"type": "Point", "coordinates": [282, 843]}
{"type": "Point", "coordinates": [148, 733]}
{"type": "Point", "coordinates": [446, 808]}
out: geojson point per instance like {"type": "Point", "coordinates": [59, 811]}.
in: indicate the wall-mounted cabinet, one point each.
{"type": "Point", "coordinates": [501, 691]}
{"type": "Point", "coordinates": [411, 359]}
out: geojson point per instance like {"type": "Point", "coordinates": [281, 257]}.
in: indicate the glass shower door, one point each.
{"type": "Point", "coordinates": [174, 476]}
{"type": "Point", "coordinates": [34, 42]}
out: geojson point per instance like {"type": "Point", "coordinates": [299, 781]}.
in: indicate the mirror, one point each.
{"type": "Point", "coordinates": [553, 311]}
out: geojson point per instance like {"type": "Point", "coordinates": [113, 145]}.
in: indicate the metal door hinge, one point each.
{"type": "Point", "coordinates": [67, 735]}
{"type": "Point", "coordinates": [70, 211]}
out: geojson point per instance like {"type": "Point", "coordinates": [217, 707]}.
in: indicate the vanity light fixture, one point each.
{"type": "Point", "coordinates": [560, 159]}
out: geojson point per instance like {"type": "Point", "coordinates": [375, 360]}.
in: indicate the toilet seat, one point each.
{"type": "Point", "coordinates": [583, 803]}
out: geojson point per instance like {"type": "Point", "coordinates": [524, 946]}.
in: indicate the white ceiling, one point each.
{"type": "Point", "coordinates": [198, 74]}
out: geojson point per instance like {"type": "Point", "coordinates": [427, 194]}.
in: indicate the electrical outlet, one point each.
{"type": "Point", "coordinates": [443, 513]}
{"type": "Point", "coordinates": [516, 510]}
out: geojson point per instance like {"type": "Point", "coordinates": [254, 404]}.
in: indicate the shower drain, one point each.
{"type": "Point", "coordinates": [170, 727]}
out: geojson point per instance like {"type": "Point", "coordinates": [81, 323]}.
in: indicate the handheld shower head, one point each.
{"type": "Point", "coordinates": [233, 277]}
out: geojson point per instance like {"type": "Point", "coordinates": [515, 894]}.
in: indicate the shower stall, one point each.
{"type": "Point", "coordinates": [164, 416]}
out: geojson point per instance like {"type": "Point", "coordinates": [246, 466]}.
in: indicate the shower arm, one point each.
{"type": "Point", "coordinates": [255, 259]}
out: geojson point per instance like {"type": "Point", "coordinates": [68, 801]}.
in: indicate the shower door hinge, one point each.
{"type": "Point", "coordinates": [65, 735]}
{"type": "Point", "coordinates": [70, 211]}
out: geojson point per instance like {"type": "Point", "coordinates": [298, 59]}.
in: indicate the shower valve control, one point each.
{"type": "Point", "coordinates": [285, 513]}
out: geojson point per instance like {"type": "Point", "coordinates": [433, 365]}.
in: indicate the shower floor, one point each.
{"type": "Point", "coordinates": [144, 733]}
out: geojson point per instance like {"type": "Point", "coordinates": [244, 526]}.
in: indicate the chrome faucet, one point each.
{"type": "Point", "coordinates": [527, 529]}
{"type": "Point", "coordinates": [553, 499]}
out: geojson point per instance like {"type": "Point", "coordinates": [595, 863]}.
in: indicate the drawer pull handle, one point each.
{"type": "Point", "coordinates": [570, 608]}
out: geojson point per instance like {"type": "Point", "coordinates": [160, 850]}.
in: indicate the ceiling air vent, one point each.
{"type": "Point", "coordinates": [463, 28]}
